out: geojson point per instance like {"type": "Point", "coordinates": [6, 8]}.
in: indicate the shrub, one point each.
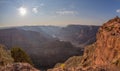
{"type": "Point", "coordinates": [19, 55]}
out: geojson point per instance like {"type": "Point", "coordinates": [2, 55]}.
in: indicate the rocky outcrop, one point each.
{"type": "Point", "coordinates": [7, 62]}
{"type": "Point", "coordinates": [5, 56]}
{"type": "Point", "coordinates": [18, 67]}
{"type": "Point", "coordinates": [107, 46]}
{"type": "Point", "coordinates": [104, 54]}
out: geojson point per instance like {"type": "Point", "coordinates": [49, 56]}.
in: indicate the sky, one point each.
{"type": "Point", "coordinates": [57, 12]}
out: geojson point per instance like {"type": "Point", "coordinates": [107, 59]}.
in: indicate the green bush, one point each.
{"type": "Point", "coordinates": [19, 55]}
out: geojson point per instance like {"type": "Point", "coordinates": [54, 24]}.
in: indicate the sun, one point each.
{"type": "Point", "coordinates": [22, 11]}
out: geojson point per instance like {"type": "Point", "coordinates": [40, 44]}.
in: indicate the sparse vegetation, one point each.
{"type": "Point", "coordinates": [62, 66]}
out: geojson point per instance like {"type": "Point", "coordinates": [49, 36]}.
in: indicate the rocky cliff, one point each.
{"type": "Point", "coordinates": [103, 55]}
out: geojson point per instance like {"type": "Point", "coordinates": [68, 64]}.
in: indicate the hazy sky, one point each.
{"type": "Point", "coordinates": [57, 12]}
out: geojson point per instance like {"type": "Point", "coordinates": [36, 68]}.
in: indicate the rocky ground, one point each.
{"type": "Point", "coordinates": [18, 67]}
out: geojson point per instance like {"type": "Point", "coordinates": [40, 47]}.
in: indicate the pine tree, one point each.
{"type": "Point", "coordinates": [20, 55]}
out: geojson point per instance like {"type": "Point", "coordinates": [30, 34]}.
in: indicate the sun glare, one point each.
{"type": "Point", "coordinates": [22, 11]}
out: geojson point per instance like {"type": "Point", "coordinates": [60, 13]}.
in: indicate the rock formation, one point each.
{"type": "Point", "coordinates": [5, 57]}
{"type": "Point", "coordinates": [103, 55]}
{"type": "Point", "coordinates": [18, 67]}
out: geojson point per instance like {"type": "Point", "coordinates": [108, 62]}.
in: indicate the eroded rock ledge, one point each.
{"type": "Point", "coordinates": [18, 67]}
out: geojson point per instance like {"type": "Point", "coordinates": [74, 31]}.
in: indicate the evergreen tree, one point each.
{"type": "Point", "coordinates": [20, 55]}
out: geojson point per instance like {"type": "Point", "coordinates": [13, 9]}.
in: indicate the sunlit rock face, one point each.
{"type": "Point", "coordinates": [103, 55]}
{"type": "Point", "coordinates": [108, 43]}
{"type": "Point", "coordinates": [106, 50]}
